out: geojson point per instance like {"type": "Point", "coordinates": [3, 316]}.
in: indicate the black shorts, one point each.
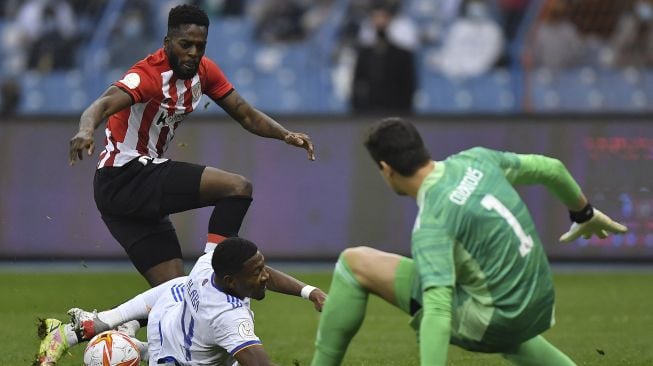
{"type": "Point", "coordinates": [135, 201]}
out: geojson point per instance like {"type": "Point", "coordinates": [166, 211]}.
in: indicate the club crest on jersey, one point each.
{"type": "Point", "coordinates": [197, 92]}
{"type": "Point", "coordinates": [246, 329]}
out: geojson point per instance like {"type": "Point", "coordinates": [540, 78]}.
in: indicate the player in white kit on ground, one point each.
{"type": "Point", "coordinates": [204, 318]}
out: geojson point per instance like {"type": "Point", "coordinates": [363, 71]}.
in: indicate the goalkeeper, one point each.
{"type": "Point", "coordinates": [479, 277]}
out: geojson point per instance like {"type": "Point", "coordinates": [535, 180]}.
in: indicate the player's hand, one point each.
{"type": "Point", "coordinates": [83, 140]}
{"type": "Point", "coordinates": [600, 225]}
{"type": "Point", "coordinates": [318, 297]}
{"type": "Point", "coordinates": [301, 140]}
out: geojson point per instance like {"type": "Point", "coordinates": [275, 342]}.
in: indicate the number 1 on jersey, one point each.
{"type": "Point", "coordinates": [491, 203]}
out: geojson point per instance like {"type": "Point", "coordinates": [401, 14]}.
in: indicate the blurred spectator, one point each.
{"type": "Point", "coordinates": [384, 74]}
{"type": "Point", "coordinates": [596, 17]}
{"type": "Point", "coordinates": [130, 30]}
{"type": "Point", "coordinates": [8, 8]}
{"type": "Point", "coordinates": [317, 14]}
{"type": "Point", "coordinates": [222, 7]}
{"type": "Point", "coordinates": [87, 16]}
{"type": "Point", "coordinates": [401, 30]}
{"type": "Point", "coordinates": [472, 45]}
{"type": "Point", "coordinates": [9, 98]}
{"type": "Point", "coordinates": [91, 8]}
{"type": "Point", "coordinates": [358, 13]}
{"type": "Point", "coordinates": [557, 44]}
{"type": "Point", "coordinates": [512, 13]}
{"type": "Point", "coordinates": [230, 7]}
{"type": "Point", "coordinates": [280, 21]}
{"type": "Point", "coordinates": [435, 18]}
{"type": "Point", "coordinates": [45, 34]}
{"type": "Point", "coordinates": [632, 41]}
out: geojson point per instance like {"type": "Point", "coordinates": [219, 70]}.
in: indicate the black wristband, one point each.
{"type": "Point", "coordinates": [583, 215]}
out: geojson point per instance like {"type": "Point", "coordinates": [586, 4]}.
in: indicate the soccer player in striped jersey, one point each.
{"type": "Point", "coordinates": [479, 277]}
{"type": "Point", "coordinates": [135, 187]}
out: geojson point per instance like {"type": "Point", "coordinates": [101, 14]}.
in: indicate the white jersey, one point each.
{"type": "Point", "coordinates": [197, 324]}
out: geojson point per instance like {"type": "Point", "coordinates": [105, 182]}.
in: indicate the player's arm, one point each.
{"type": "Point", "coordinates": [539, 169]}
{"type": "Point", "coordinates": [286, 284]}
{"type": "Point", "coordinates": [435, 326]}
{"type": "Point", "coordinates": [254, 355]}
{"type": "Point", "coordinates": [111, 101]}
{"type": "Point", "coordinates": [261, 124]}
{"type": "Point", "coordinates": [552, 173]}
{"type": "Point", "coordinates": [432, 250]}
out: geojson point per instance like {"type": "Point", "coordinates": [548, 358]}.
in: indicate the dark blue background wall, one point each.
{"type": "Point", "coordinates": [306, 209]}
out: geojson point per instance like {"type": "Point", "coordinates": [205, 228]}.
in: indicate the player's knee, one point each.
{"type": "Point", "coordinates": [241, 186]}
{"type": "Point", "coordinates": [352, 254]}
{"type": "Point", "coordinates": [356, 257]}
{"type": "Point", "coordinates": [217, 184]}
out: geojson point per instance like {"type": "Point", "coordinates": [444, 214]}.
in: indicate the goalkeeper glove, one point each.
{"type": "Point", "coordinates": [590, 221]}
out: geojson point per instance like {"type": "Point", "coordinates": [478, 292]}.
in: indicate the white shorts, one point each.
{"type": "Point", "coordinates": [162, 305]}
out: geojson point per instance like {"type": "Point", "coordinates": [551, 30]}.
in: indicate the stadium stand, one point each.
{"type": "Point", "coordinates": [299, 77]}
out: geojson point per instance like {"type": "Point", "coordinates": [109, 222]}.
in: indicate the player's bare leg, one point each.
{"type": "Point", "coordinates": [375, 270]}
{"type": "Point", "coordinates": [216, 184]}
{"type": "Point", "coordinates": [358, 272]}
{"type": "Point", "coordinates": [164, 271]}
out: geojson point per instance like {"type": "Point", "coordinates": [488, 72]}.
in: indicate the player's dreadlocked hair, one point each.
{"type": "Point", "coordinates": [186, 14]}
{"type": "Point", "coordinates": [230, 255]}
{"type": "Point", "coordinates": [398, 143]}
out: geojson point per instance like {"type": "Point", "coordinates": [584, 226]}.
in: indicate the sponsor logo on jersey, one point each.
{"type": "Point", "coordinates": [170, 120]}
{"type": "Point", "coordinates": [466, 187]}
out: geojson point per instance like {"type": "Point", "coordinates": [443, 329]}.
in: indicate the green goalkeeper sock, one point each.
{"type": "Point", "coordinates": [341, 317]}
{"type": "Point", "coordinates": [538, 352]}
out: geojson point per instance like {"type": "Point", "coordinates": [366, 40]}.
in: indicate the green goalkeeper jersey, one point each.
{"type": "Point", "coordinates": [474, 233]}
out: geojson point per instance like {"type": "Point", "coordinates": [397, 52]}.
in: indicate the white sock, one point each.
{"type": "Point", "coordinates": [112, 318]}
{"type": "Point", "coordinates": [130, 328]}
{"type": "Point", "coordinates": [133, 309]}
{"type": "Point", "coordinates": [71, 336]}
{"type": "Point", "coordinates": [137, 308]}
{"type": "Point", "coordinates": [209, 247]}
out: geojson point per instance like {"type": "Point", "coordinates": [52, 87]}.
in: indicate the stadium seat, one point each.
{"type": "Point", "coordinates": [486, 93]}
{"type": "Point", "coordinates": [297, 77]}
{"type": "Point", "coordinates": [57, 93]}
{"type": "Point", "coordinates": [231, 42]}
{"type": "Point", "coordinates": [623, 90]}
{"type": "Point", "coordinates": [590, 90]}
{"type": "Point", "coordinates": [567, 90]}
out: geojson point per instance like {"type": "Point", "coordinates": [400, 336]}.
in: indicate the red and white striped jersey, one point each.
{"type": "Point", "coordinates": [160, 102]}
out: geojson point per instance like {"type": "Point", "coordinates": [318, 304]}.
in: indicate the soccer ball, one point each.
{"type": "Point", "coordinates": [111, 348]}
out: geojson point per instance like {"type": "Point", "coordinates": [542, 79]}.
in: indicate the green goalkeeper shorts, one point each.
{"type": "Point", "coordinates": [474, 327]}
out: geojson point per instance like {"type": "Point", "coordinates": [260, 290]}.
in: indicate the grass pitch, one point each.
{"type": "Point", "coordinates": [602, 319]}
